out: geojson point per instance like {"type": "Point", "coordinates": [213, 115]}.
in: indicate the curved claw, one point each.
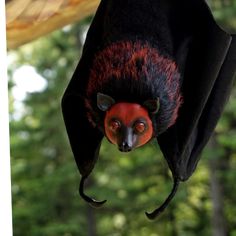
{"type": "Point", "coordinates": [92, 202]}
{"type": "Point", "coordinates": [160, 209]}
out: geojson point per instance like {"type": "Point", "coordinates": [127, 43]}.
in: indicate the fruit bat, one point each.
{"type": "Point", "coordinates": [155, 69]}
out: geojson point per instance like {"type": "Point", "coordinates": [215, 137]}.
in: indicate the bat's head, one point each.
{"type": "Point", "coordinates": [134, 72]}
{"type": "Point", "coordinates": [127, 125]}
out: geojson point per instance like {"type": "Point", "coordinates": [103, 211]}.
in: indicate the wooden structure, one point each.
{"type": "Point", "coordinates": [27, 20]}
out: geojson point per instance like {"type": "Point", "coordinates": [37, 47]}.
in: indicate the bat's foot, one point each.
{"type": "Point", "coordinates": [160, 209]}
{"type": "Point", "coordinates": [91, 201]}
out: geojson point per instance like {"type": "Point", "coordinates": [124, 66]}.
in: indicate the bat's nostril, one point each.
{"type": "Point", "coordinates": [125, 147]}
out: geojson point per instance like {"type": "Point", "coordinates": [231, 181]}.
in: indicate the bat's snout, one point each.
{"type": "Point", "coordinates": [125, 147]}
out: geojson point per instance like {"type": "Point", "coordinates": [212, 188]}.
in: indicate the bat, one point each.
{"type": "Point", "coordinates": [156, 69]}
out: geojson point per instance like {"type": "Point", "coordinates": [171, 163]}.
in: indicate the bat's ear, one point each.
{"type": "Point", "coordinates": [152, 105]}
{"type": "Point", "coordinates": [104, 102]}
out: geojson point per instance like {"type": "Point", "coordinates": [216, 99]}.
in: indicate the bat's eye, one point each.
{"type": "Point", "coordinates": [115, 125]}
{"type": "Point", "coordinates": [139, 127]}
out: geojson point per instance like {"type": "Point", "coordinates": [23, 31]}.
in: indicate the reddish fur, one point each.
{"type": "Point", "coordinates": [119, 60]}
{"type": "Point", "coordinates": [122, 57]}
{"type": "Point", "coordinates": [128, 113]}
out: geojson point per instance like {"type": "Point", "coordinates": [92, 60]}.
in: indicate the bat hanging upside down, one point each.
{"type": "Point", "coordinates": [149, 69]}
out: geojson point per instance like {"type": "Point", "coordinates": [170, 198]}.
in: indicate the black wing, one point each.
{"type": "Point", "coordinates": [85, 139]}
{"type": "Point", "coordinates": [209, 73]}
{"type": "Point", "coordinates": [206, 85]}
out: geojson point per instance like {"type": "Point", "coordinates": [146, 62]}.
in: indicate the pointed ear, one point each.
{"type": "Point", "coordinates": [152, 105]}
{"type": "Point", "coordinates": [104, 102]}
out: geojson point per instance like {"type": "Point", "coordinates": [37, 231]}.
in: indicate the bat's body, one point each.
{"type": "Point", "coordinates": [169, 68]}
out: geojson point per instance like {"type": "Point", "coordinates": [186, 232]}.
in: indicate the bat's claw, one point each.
{"type": "Point", "coordinates": [91, 201]}
{"type": "Point", "coordinates": [153, 215]}
{"type": "Point", "coordinates": [160, 209]}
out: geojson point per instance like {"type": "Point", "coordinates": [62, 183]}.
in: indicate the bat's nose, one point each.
{"type": "Point", "coordinates": [125, 147]}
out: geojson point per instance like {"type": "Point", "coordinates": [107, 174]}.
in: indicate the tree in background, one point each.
{"type": "Point", "coordinates": [45, 177]}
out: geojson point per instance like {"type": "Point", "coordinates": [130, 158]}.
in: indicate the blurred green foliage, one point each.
{"type": "Point", "coordinates": [45, 178]}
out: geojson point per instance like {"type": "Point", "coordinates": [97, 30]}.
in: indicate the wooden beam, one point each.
{"type": "Point", "coordinates": [30, 19]}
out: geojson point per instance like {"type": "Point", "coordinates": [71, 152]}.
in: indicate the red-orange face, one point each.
{"type": "Point", "coordinates": [128, 125]}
